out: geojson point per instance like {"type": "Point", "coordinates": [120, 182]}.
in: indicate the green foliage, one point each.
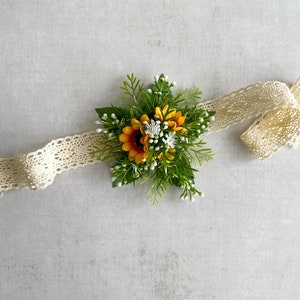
{"type": "Point", "coordinates": [188, 96]}
{"type": "Point", "coordinates": [118, 111]}
{"type": "Point", "coordinates": [162, 143]}
{"type": "Point", "coordinates": [107, 149]}
{"type": "Point", "coordinates": [132, 90]}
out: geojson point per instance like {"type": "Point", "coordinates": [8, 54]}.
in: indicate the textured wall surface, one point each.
{"type": "Point", "coordinates": [81, 239]}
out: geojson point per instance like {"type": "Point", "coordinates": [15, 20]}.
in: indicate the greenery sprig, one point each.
{"type": "Point", "coordinates": [155, 137]}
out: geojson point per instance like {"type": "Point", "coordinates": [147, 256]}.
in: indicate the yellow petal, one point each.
{"type": "Point", "coordinates": [165, 109]}
{"type": "Point", "coordinates": [158, 113]}
{"type": "Point", "coordinates": [171, 115]}
{"type": "Point", "coordinates": [136, 124]}
{"type": "Point", "coordinates": [184, 130]}
{"type": "Point", "coordinates": [144, 118]}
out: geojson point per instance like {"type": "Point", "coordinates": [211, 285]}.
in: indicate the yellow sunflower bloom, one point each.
{"type": "Point", "coordinates": [135, 140]}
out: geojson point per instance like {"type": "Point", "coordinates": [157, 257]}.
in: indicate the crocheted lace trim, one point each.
{"type": "Point", "coordinates": [278, 125]}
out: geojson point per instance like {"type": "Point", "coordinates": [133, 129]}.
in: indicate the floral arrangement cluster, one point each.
{"type": "Point", "coordinates": [156, 137]}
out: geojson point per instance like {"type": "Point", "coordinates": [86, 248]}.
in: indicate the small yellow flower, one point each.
{"type": "Point", "coordinates": [174, 118]}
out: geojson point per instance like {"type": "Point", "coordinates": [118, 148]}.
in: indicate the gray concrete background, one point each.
{"type": "Point", "coordinates": [81, 239]}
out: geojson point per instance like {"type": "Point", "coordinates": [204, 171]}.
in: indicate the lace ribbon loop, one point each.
{"type": "Point", "coordinates": [279, 123]}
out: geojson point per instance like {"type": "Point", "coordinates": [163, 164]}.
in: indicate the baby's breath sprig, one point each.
{"type": "Point", "coordinates": [156, 138]}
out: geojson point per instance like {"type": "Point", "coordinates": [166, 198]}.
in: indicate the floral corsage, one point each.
{"type": "Point", "coordinates": [156, 137]}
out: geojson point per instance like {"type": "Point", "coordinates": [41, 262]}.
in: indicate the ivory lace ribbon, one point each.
{"type": "Point", "coordinates": [278, 124]}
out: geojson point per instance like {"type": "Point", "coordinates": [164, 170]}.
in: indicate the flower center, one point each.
{"type": "Point", "coordinates": [137, 139]}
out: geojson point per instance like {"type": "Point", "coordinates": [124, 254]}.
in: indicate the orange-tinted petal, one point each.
{"type": "Point", "coordinates": [144, 139]}
{"type": "Point", "coordinates": [138, 158]}
{"type": "Point", "coordinates": [127, 146]}
{"type": "Point", "coordinates": [132, 152]}
{"type": "Point", "coordinates": [179, 119]}
{"type": "Point", "coordinates": [178, 115]}
{"type": "Point", "coordinates": [131, 157]}
{"type": "Point", "coordinates": [145, 155]}
{"type": "Point", "coordinates": [170, 156]}
{"type": "Point", "coordinates": [172, 124]}
{"type": "Point", "coordinates": [128, 130]}
{"type": "Point", "coordinates": [177, 128]}
{"type": "Point", "coordinates": [124, 137]}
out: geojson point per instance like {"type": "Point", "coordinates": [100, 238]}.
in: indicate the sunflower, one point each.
{"type": "Point", "coordinates": [174, 118]}
{"type": "Point", "coordinates": [135, 140]}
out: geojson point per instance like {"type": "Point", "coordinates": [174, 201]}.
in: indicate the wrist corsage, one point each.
{"type": "Point", "coordinates": [156, 137]}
